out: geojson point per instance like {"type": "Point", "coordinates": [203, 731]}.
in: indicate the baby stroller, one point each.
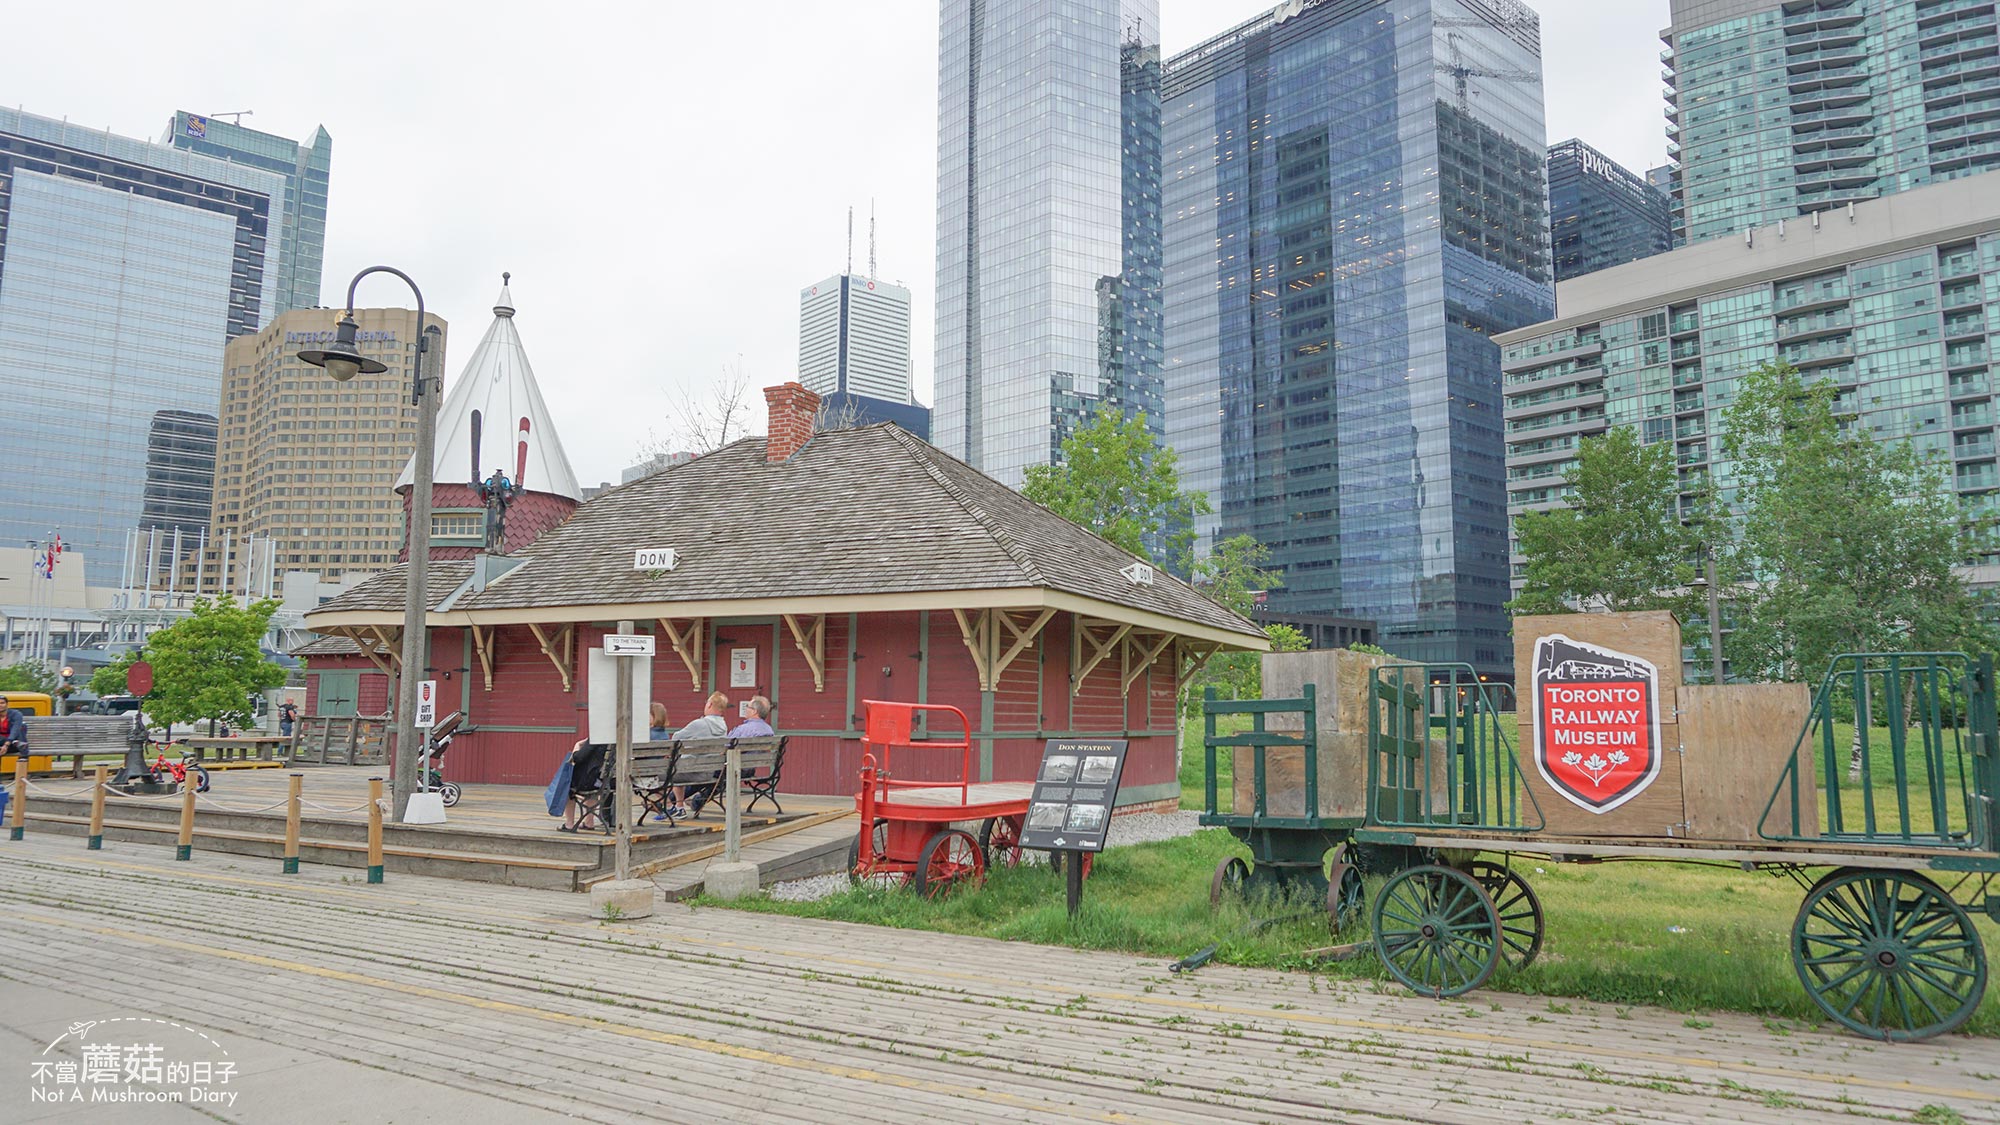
{"type": "Point", "coordinates": [441, 736]}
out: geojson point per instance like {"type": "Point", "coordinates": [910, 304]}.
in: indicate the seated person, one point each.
{"type": "Point", "coordinates": [709, 724]}
{"type": "Point", "coordinates": [588, 762]}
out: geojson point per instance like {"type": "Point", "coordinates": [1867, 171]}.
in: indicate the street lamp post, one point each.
{"type": "Point", "coordinates": [344, 361]}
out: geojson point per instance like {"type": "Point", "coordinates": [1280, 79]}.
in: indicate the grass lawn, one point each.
{"type": "Point", "coordinates": [1610, 928]}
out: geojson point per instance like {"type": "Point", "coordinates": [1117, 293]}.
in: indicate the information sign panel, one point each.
{"type": "Point", "coordinates": [1071, 806]}
{"type": "Point", "coordinates": [628, 644]}
{"type": "Point", "coordinates": [427, 704]}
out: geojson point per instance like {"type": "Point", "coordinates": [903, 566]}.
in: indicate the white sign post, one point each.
{"type": "Point", "coordinates": [425, 806]}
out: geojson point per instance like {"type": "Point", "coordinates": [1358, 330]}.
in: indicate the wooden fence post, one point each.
{"type": "Point", "coordinates": [292, 825]}
{"type": "Point", "coordinates": [20, 812]}
{"type": "Point", "coordinates": [374, 829]}
{"type": "Point", "coordinates": [97, 809]}
{"type": "Point", "coordinates": [185, 847]}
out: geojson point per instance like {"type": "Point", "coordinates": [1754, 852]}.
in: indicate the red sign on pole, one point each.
{"type": "Point", "coordinates": [139, 678]}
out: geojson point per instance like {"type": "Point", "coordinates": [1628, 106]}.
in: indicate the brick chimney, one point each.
{"type": "Point", "coordinates": [792, 410]}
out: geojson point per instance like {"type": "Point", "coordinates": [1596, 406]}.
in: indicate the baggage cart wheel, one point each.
{"type": "Point", "coordinates": [449, 793]}
{"type": "Point", "coordinates": [1344, 895]}
{"type": "Point", "coordinates": [1436, 931]}
{"type": "Point", "coordinates": [855, 876]}
{"type": "Point", "coordinates": [952, 858]}
{"type": "Point", "coordinates": [1230, 875]}
{"type": "Point", "coordinates": [1888, 954]}
{"type": "Point", "coordinates": [1520, 911]}
{"type": "Point", "coordinates": [1000, 839]}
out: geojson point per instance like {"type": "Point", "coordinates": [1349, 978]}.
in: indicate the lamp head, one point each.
{"type": "Point", "coordinates": [344, 360]}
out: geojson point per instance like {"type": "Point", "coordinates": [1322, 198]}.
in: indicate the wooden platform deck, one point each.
{"type": "Point", "coordinates": [497, 833]}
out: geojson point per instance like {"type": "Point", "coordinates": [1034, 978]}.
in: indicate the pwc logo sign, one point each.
{"type": "Point", "coordinates": [1596, 722]}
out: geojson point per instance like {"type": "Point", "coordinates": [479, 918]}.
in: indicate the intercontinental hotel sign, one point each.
{"type": "Point", "coordinates": [365, 336]}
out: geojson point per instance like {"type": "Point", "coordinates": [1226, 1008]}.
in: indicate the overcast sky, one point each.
{"type": "Point", "coordinates": [661, 178]}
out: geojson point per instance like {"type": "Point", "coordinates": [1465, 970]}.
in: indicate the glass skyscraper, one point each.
{"type": "Point", "coordinates": [1777, 108]}
{"type": "Point", "coordinates": [302, 237]}
{"type": "Point", "coordinates": [1355, 204]}
{"type": "Point", "coordinates": [1048, 269]}
{"type": "Point", "coordinates": [1894, 304]}
{"type": "Point", "coordinates": [124, 267]}
{"type": "Point", "coordinates": [1600, 214]}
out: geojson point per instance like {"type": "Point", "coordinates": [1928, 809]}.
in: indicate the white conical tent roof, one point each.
{"type": "Point", "coordinates": [493, 417]}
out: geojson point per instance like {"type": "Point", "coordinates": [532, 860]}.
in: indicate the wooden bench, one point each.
{"type": "Point", "coordinates": [78, 736]}
{"type": "Point", "coordinates": [658, 768]}
{"type": "Point", "coordinates": [239, 747]}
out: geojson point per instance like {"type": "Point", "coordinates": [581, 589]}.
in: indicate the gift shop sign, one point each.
{"type": "Point", "coordinates": [1597, 722]}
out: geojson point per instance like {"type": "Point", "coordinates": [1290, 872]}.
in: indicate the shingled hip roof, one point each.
{"type": "Point", "coordinates": [870, 513]}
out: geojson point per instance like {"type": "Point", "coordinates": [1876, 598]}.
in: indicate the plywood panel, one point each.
{"type": "Point", "coordinates": [1340, 680]}
{"type": "Point", "coordinates": [1654, 636]}
{"type": "Point", "coordinates": [1735, 740]}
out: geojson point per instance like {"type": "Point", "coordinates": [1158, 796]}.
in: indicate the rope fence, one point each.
{"type": "Point", "coordinates": [98, 792]}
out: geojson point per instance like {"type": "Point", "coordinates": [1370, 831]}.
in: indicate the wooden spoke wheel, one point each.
{"type": "Point", "coordinates": [1436, 931]}
{"type": "Point", "coordinates": [951, 858]}
{"type": "Point", "coordinates": [1888, 954]}
{"type": "Point", "coordinates": [1519, 909]}
{"type": "Point", "coordinates": [856, 876]}
{"type": "Point", "coordinates": [1344, 895]}
{"type": "Point", "coordinates": [1000, 839]}
{"type": "Point", "coordinates": [1230, 875]}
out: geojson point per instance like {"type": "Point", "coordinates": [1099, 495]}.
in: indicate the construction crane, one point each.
{"type": "Point", "coordinates": [1459, 71]}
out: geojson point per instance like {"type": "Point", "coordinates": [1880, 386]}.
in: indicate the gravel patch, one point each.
{"type": "Point", "coordinates": [1134, 828]}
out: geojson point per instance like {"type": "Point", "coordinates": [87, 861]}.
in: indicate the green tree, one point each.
{"type": "Point", "coordinates": [1620, 544]}
{"type": "Point", "coordinates": [1117, 480]}
{"type": "Point", "coordinates": [1849, 543]}
{"type": "Point", "coordinates": [208, 665]}
{"type": "Point", "coordinates": [110, 679]}
{"type": "Point", "coordinates": [29, 675]}
{"type": "Point", "coordinates": [1232, 576]}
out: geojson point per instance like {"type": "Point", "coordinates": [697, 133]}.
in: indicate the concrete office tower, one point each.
{"type": "Point", "coordinates": [302, 240]}
{"type": "Point", "coordinates": [493, 421]}
{"type": "Point", "coordinates": [1355, 205]}
{"type": "Point", "coordinates": [1895, 304]}
{"type": "Point", "coordinates": [854, 351]}
{"type": "Point", "coordinates": [1048, 268]}
{"type": "Point", "coordinates": [124, 267]}
{"type": "Point", "coordinates": [1600, 214]}
{"type": "Point", "coordinates": [310, 463]}
{"type": "Point", "coordinates": [1776, 108]}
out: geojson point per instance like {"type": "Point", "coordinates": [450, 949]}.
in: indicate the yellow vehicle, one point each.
{"type": "Point", "coordinates": [27, 703]}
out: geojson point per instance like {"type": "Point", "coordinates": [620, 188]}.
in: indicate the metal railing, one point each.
{"type": "Point", "coordinates": [1440, 753]}
{"type": "Point", "coordinates": [1898, 749]}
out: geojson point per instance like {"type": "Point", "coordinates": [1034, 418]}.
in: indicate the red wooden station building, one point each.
{"type": "Point", "coordinates": [818, 570]}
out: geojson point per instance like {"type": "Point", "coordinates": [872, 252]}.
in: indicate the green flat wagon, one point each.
{"type": "Point", "coordinates": [1891, 829]}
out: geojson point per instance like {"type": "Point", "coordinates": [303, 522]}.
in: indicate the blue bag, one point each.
{"type": "Point", "coordinates": [557, 794]}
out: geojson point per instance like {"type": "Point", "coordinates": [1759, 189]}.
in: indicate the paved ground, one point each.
{"type": "Point", "coordinates": [423, 1000]}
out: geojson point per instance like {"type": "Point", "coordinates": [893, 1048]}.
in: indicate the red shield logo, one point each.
{"type": "Point", "coordinates": [1597, 722]}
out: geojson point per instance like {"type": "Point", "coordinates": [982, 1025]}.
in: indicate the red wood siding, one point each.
{"type": "Point", "coordinates": [883, 654]}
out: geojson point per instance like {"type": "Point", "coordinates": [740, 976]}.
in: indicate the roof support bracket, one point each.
{"type": "Point", "coordinates": [1139, 656]}
{"type": "Point", "coordinates": [558, 648]}
{"type": "Point", "coordinates": [483, 638]}
{"type": "Point", "coordinates": [1024, 635]}
{"type": "Point", "coordinates": [391, 643]}
{"type": "Point", "coordinates": [975, 633]}
{"type": "Point", "coordinates": [811, 642]}
{"type": "Point", "coordinates": [1082, 637]}
{"type": "Point", "coordinates": [686, 640]}
{"type": "Point", "coordinates": [1200, 655]}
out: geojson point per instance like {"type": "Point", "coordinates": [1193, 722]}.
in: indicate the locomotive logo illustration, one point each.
{"type": "Point", "coordinates": [1597, 722]}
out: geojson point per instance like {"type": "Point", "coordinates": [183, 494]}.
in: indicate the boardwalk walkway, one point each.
{"type": "Point", "coordinates": [430, 999]}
